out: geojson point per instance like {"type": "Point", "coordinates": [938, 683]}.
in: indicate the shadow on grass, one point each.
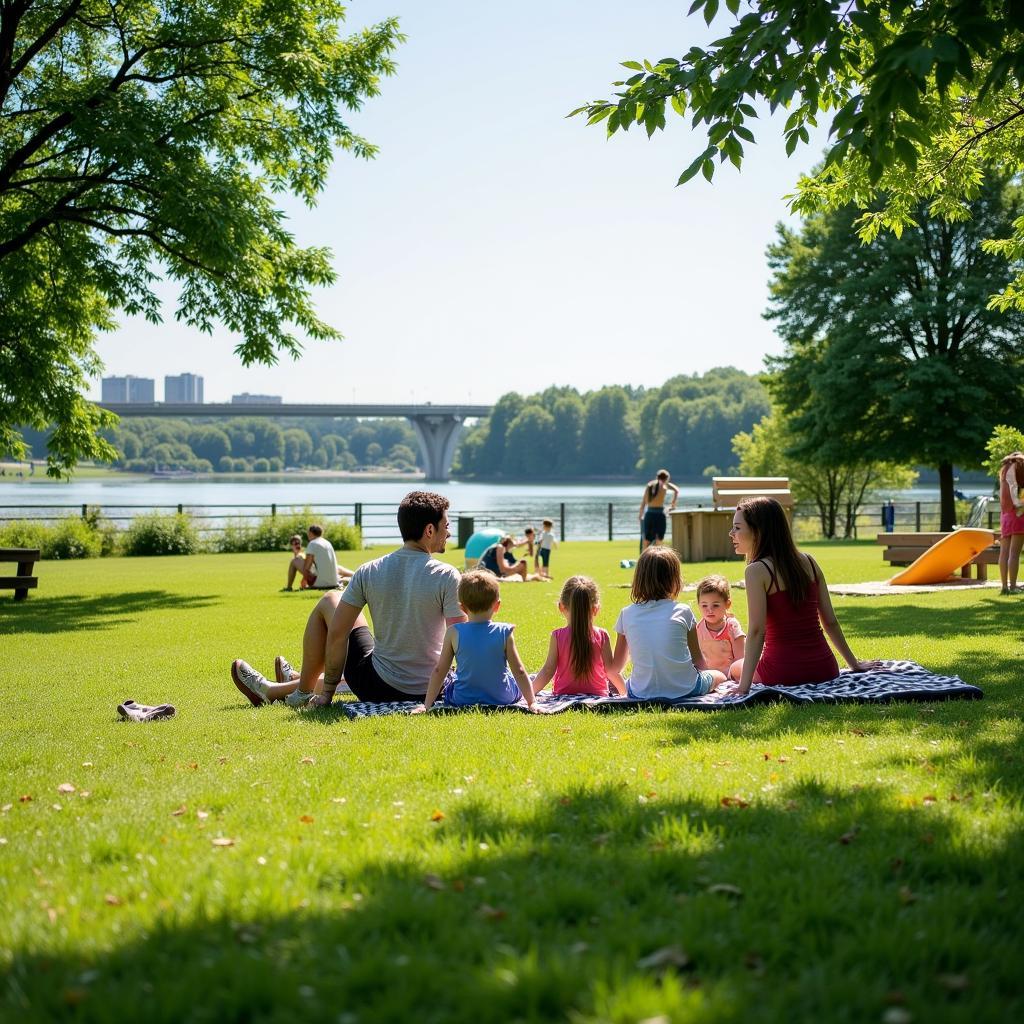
{"type": "Point", "coordinates": [103, 611]}
{"type": "Point", "coordinates": [987, 616]}
{"type": "Point", "coordinates": [600, 904]}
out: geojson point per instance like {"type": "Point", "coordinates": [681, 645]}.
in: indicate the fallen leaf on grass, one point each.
{"type": "Point", "coordinates": [308, 760]}
{"type": "Point", "coordinates": [665, 959]}
{"type": "Point", "coordinates": [954, 982]}
{"type": "Point", "coordinates": [202, 815]}
{"type": "Point", "coordinates": [87, 764]}
{"type": "Point", "coordinates": [179, 812]}
{"type": "Point", "coordinates": [222, 760]}
{"type": "Point", "coordinates": [783, 759]}
{"type": "Point", "coordinates": [931, 798]}
{"type": "Point", "coordinates": [858, 732]}
{"type": "Point", "coordinates": [306, 819]}
{"type": "Point", "coordinates": [433, 882]}
{"type": "Point", "coordinates": [906, 896]}
{"type": "Point", "coordinates": [725, 889]}
{"type": "Point", "coordinates": [800, 750]}
{"type": "Point", "coordinates": [601, 838]}
{"type": "Point", "coordinates": [897, 1015]}
{"type": "Point", "coordinates": [767, 755]}
{"type": "Point", "coordinates": [223, 841]}
{"type": "Point", "coordinates": [6, 808]}
{"type": "Point", "coordinates": [734, 801]}
{"type": "Point", "coordinates": [111, 900]}
{"type": "Point", "coordinates": [848, 837]}
{"type": "Point", "coordinates": [84, 794]}
{"type": "Point", "coordinates": [489, 913]}
{"type": "Point", "coordinates": [721, 764]}
{"type": "Point", "coordinates": [437, 816]}
{"type": "Point", "coordinates": [25, 799]}
{"type": "Point", "coordinates": [339, 799]}
{"type": "Point", "coordinates": [65, 787]}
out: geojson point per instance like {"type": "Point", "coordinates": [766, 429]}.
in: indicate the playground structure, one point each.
{"type": "Point", "coordinates": [700, 534]}
{"type": "Point", "coordinates": [934, 557]}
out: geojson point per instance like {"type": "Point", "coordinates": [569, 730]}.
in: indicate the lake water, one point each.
{"type": "Point", "coordinates": [510, 506]}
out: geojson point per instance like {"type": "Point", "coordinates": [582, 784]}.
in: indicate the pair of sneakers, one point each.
{"type": "Point", "coordinates": [255, 686]}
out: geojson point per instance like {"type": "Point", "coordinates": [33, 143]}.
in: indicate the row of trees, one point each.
{"type": "Point", "coordinates": [688, 423]}
{"type": "Point", "coordinates": [258, 444]}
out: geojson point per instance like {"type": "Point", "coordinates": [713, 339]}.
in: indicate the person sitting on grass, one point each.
{"type": "Point", "coordinates": [661, 634]}
{"type": "Point", "coordinates": [788, 605]}
{"type": "Point", "coordinates": [580, 653]}
{"type": "Point", "coordinates": [719, 632]}
{"type": "Point", "coordinates": [411, 595]}
{"type": "Point", "coordinates": [498, 559]}
{"type": "Point", "coordinates": [488, 667]}
{"type": "Point", "coordinates": [318, 569]}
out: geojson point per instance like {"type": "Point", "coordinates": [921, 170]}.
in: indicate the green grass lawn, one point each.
{"type": "Point", "coordinates": [781, 863]}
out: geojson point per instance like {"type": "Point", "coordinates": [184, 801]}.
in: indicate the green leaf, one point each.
{"type": "Point", "coordinates": [679, 103]}
{"type": "Point", "coordinates": [733, 5]}
{"type": "Point", "coordinates": [633, 65]}
{"type": "Point", "coordinates": [708, 169]}
{"type": "Point", "coordinates": [710, 10]}
{"type": "Point", "coordinates": [695, 166]}
{"type": "Point", "coordinates": [906, 151]}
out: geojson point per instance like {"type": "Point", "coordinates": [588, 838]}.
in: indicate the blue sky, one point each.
{"type": "Point", "coordinates": [494, 245]}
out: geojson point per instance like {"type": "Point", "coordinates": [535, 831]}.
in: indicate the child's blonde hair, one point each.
{"type": "Point", "coordinates": [478, 591]}
{"type": "Point", "coordinates": [714, 584]}
{"type": "Point", "coordinates": [658, 575]}
{"type": "Point", "coordinates": [580, 597]}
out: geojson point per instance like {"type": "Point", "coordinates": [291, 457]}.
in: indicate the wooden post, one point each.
{"type": "Point", "coordinates": [179, 508]}
{"type": "Point", "coordinates": [917, 516]}
{"type": "Point", "coordinates": [357, 514]}
{"type": "Point", "coordinates": [273, 510]}
{"type": "Point", "coordinates": [611, 509]}
{"type": "Point", "coordinates": [561, 520]}
{"type": "Point", "coordinates": [85, 511]}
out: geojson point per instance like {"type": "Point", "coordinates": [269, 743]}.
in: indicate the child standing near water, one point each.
{"type": "Point", "coordinates": [719, 632]}
{"type": "Point", "coordinates": [661, 634]}
{"type": "Point", "coordinates": [579, 654]}
{"type": "Point", "coordinates": [489, 669]}
{"type": "Point", "coordinates": [545, 543]}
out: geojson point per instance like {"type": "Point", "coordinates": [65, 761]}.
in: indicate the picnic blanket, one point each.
{"type": "Point", "coordinates": [894, 681]}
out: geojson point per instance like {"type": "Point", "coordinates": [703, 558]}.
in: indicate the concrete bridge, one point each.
{"type": "Point", "coordinates": [438, 427]}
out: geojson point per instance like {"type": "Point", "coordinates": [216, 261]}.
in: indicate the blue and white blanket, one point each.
{"type": "Point", "coordinates": [894, 681]}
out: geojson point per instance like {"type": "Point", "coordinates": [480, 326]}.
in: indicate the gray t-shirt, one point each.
{"type": "Point", "coordinates": [324, 562]}
{"type": "Point", "coordinates": [410, 594]}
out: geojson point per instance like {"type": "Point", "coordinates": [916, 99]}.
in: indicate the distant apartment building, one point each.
{"type": "Point", "coordinates": [128, 389]}
{"type": "Point", "coordinates": [185, 388]}
{"type": "Point", "coordinates": [246, 399]}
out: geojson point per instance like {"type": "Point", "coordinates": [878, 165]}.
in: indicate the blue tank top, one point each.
{"type": "Point", "coordinates": [489, 561]}
{"type": "Point", "coordinates": [482, 675]}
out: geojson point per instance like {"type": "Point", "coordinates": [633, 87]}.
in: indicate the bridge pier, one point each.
{"type": "Point", "coordinates": [438, 435]}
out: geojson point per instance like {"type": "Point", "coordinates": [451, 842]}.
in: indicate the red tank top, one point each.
{"type": "Point", "coordinates": [1005, 501]}
{"type": "Point", "coordinates": [795, 648]}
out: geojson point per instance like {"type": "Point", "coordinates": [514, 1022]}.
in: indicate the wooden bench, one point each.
{"type": "Point", "coordinates": [24, 581]}
{"type": "Point", "coordinates": [905, 548]}
{"type": "Point", "coordinates": [729, 491]}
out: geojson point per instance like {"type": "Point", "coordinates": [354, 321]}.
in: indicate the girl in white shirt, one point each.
{"type": "Point", "coordinates": [661, 634]}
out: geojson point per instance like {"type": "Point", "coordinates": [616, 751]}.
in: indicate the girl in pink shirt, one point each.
{"type": "Point", "coordinates": [579, 654]}
{"type": "Point", "coordinates": [719, 633]}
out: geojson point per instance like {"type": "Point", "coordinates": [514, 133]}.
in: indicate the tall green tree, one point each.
{"type": "Point", "coordinates": [608, 438]}
{"type": "Point", "coordinates": [530, 442]}
{"type": "Point", "coordinates": [141, 140]}
{"type": "Point", "coordinates": [891, 352]}
{"type": "Point", "coordinates": [922, 99]}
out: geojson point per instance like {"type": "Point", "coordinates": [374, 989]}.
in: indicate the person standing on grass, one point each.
{"type": "Point", "coordinates": [789, 610]}
{"type": "Point", "coordinates": [652, 507]}
{"type": "Point", "coordinates": [1011, 520]}
{"type": "Point", "coordinates": [413, 598]}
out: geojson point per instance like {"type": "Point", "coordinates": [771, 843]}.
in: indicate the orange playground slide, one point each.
{"type": "Point", "coordinates": [943, 558]}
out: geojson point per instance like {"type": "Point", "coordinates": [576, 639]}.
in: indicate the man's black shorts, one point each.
{"type": "Point", "coordinates": [654, 525]}
{"type": "Point", "coordinates": [362, 677]}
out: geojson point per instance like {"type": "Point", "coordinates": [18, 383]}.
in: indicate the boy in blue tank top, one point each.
{"type": "Point", "coordinates": [488, 667]}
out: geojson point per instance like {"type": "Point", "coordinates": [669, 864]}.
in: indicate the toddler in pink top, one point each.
{"type": "Point", "coordinates": [579, 654]}
{"type": "Point", "coordinates": [719, 633]}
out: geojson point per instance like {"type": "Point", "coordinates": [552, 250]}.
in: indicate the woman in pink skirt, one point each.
{"type": "Point", "coordinates": [1011, 520]}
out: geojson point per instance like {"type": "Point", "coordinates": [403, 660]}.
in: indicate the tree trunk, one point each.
{"type": "Point", "coordinates": [947, 504]}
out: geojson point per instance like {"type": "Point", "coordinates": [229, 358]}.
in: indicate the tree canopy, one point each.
{"type": "Point", "coordinates": [141, 140]}
{"type": "Point", "coordinates": [891, 354]}
{"type": "Point", "coordinates": [921, 97]}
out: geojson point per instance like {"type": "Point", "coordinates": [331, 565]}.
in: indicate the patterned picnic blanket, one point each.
{"type": "Point", "coordinates": [894, 681]}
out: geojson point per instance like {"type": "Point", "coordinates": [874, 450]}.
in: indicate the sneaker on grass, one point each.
{"type": "Point", "coordinates": [283, 671]}
{"type": "Point", "coordinates": [250, 683]}
{"type": "Point", "coordinates": [298, 699]}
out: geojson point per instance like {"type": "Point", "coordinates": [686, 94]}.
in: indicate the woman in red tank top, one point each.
{"type": "Point", "coordinates": [788, 607]}
{"type": "Point", "coordinates": [1011, 520]}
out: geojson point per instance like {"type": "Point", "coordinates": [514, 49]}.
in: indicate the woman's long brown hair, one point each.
{"type": "Point", "coordinates": [1015, 459]}
{"type": "Point", "coordinates": [773, 539]}
{"type": "Point", "coordinates": [579, 598]}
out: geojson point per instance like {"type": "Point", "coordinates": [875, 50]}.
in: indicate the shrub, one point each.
{"type": "Point", "coordinates": [261, 465]}
{"type": "Point", "coordinates": [225, 464]}
{"type": "Point", "coordinates": [156, 534]}
{"type": "Point", "coordinates": [272, 532]}
{"type": "Point", "coordinates": [69, 538]}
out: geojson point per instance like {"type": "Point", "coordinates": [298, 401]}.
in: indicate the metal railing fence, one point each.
{"type": "Point", "coordinates": [576, 520]}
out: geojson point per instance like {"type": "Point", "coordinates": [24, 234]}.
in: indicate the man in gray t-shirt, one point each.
{"type": "Point", "coordinates": [412, 598]}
